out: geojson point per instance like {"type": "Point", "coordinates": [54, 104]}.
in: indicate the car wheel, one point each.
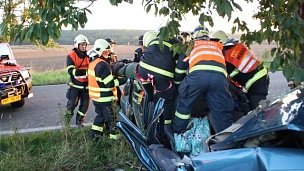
{"type": "Point", "coordinates": [18, 104]}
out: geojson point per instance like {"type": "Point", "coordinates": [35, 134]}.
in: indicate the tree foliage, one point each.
{"type": "Point", "coordinates": [281, 22]}
{"type": "Point", "coordinates": [39, 20]}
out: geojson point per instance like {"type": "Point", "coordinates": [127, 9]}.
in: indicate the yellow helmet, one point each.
{"type": "Point", "coordinates": [148, 37]}
{"type": "Point", "coordinates": [219, 34]}
{"type": "Point", "coordinates": [200, 32]}
{"type": "Point", "coordinates": [100, 45]}
{"type": "Point", "coordinates": [80, 39]}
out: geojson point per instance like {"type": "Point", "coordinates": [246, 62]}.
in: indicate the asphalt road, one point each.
{"type": "Point", "coordinates": [48, 105]}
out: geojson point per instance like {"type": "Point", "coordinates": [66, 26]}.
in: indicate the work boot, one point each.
{"type": "Point", "coordinates": [79, 120]}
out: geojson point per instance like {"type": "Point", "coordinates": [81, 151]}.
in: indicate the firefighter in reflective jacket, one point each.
{"type": "Point", "coordinates": [77, 65]}
{"type": "Point", "coordinates": [156, 71]}
{"type": "Point", "coordinates": [244, 68]}
{"type": "Point", "coordinates": [102, 90]}
{"type": "Point", "coordinates": [206, 79]}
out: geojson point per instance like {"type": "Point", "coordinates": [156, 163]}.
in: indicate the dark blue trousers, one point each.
{"type": "Point", "coordinates": [211, 85]}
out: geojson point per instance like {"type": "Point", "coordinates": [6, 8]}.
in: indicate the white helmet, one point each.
{"type": "Point", "coordinates": [100, 45]}
{"type": "Point", "coordinates": [200, 32]}
{"type": "Point", "coordinates": [148, 37]}
{"type": "Point", "coordinates": [219, 34]}
{"type": "Point", "coordinates": [80, 39]}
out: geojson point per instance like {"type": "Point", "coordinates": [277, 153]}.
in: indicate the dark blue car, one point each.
{"type": "Point", "coordinates": [270, 138]}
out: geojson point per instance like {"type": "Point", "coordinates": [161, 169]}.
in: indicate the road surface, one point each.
{"type": "Point", "coordinates": [48, 104]}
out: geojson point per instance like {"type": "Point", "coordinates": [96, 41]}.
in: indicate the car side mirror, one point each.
{"type": "Point", "coordinates": [4, 57]}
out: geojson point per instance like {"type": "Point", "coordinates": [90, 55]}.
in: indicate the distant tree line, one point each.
{"type": "Point", "coordinates": [121, 37]}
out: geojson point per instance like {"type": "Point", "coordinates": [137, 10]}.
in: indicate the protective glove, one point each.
{"type": "Point", "coordinates": [117, 66]}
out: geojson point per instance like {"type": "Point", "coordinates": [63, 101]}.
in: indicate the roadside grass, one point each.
{"type": "Point", "coordinates": [67, 149]}
{"type": "Point", "coordinates": [64, 150]}
{"type": "Point", "coordinates": [50, 77]}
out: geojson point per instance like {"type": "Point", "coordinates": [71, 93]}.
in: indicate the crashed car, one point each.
{"type": "Point", "coordinates": [268, 138]}
{"type": "Point", "coordinates": [15, 80]}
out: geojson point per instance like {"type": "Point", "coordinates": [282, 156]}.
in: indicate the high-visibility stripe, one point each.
{"type": "Point", "coordinates": [74, 72]}
{"type": "Point", "coordinates": [249, 65]}
{"type": "Point", "coordinates": [103, 99]}
{"type": "Point", "coordinates": [76, 86]}
{"type": "Point", "coordinates": [114, 136]}
{"type": "Point", "coordinates": [100, 89]}
{"type": "Point", "coordinates": [256, 77]}
{"type": "Point", "coordinates": [139, 97]}
{"type": "Point", "coordinates": [80, 113]}
{"type": "Point", "coordinates": [234, 73]}
{"type": "Point", "coordinates": [177, 82]}
{"type": "Point", "coordinates": [198, 54]}
{"type": "Point", "coordinates": [116, 82]}
{"type": "Point", "coordinates": [244, 61]}
{"type": "Point", "coordinates": [168, 122]}
{"type": "Point", "coordinates": [70, 66]}
{"type": "Point", "coordinates": [108, 79]}
{"type": "Point", "coordinates": [208, 67]}
{"type": "Point", "coordinates": [97, 128]}
{"type": "Point", "coordinates": [205, 47]}
{"type": "Point", "coordinates": [157, 42]}
{"type": "Point", "coordinates": [182, 116]}
{"type": "Point", "coordinates": [135, 101]}
{"type": "Point", "coordinates": [155, 69]}
{"type": "Point", "coordinates": [180, 71]}
{"type": "Point", "coordinates": [91, 72]}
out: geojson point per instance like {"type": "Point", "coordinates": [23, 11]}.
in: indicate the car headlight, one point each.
{"type": "Point", "coordinates": [25, 74]}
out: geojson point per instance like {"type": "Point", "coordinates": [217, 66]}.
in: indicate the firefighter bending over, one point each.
{"type": "Point", "coordinates": [244, 68]}
{"type": "Point", "coordinates": [207, 78]}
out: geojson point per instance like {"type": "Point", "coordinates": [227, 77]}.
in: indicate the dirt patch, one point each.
{"type": "Point", "coordinates": [54, 59]}
{"type": "Point", "coordinates": [49, 59]}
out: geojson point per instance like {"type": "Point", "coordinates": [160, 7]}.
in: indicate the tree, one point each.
{"type": "Point", "coordinates": [281, 22]}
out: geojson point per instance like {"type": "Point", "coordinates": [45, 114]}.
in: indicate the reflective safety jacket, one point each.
{"type": "Point", "coordinates": [160, 62]}
{"type": "Point", "coordinates": [102, 84]}
{"type": "Point", "coordinates": [77, 65]}
{"type": "Point", "coordinates": [240, 56]}
{"type": "Point", "coordinates": [207, 55]}
{"type": "Point", "coordinates": [242, 66]}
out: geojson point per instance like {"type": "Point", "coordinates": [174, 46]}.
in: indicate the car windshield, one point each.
{"type": "Point", "coordinates": [6, 53]}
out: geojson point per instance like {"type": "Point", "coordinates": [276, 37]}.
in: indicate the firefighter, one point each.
{"type": "Point", "coordinates": [156, 70]}
{"type": "Point", "coordinates": [139, 51]}
{"type": "Point", "coordinates": [244, 68]}
{"type": "Point", "coordinates": [77, 64]}
{"type": "Point", "coordinates": [103, 91]}
{"type": "Point", "coordinates": [206, 79]}
{"type": "Point", "coordinates": [112, 60]}
{"type": "Point", "coordinates": [112, 57]}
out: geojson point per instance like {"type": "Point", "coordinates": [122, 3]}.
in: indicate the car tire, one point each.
{"type": "Point", "coordinates": [18, 104]}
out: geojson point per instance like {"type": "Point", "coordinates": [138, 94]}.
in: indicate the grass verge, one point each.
{"type": "Point", "coordinates": [67, 149]}
{"type": "Point", "coordinates": [50, 77]}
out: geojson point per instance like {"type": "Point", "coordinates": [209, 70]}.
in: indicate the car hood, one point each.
{"type": "Point", "coordinates": [283, 114]}
{"type": "Point", "coordinates": [7, 67]}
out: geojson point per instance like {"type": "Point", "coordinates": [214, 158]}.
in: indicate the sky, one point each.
{"type": "Point", "coordinates": [133, 16]}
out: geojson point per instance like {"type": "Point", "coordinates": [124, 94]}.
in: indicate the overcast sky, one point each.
{"type": "Point", "coordinates": [133, 16]}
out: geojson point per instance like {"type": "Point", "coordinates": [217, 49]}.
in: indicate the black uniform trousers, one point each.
{"type": "Point", "coordinates": [76, 95]}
